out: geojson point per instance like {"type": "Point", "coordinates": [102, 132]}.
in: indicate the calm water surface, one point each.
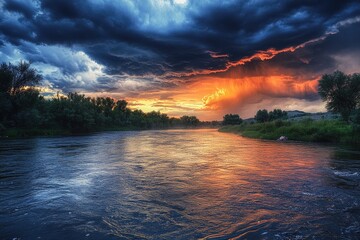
{"type": "Point", "coordinates": [177, 184]}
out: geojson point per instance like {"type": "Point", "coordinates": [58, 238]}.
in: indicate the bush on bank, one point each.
{"type": "Point", "coordinates": [306, 130]}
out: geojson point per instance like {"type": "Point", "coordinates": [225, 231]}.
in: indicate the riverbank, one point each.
{"type": "Point", "coordinates": [35, 132]}
{"type": "Point", "coordinates": [308, 130]}
{"type": "Point", "coordinates": [45, 132]}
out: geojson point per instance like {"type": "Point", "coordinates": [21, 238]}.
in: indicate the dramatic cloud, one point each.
{"type": "Point", "coordinates": [181, 56]}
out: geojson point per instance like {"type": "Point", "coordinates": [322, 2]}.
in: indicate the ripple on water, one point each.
{"type": "Point", "coordinates": [178, 184]}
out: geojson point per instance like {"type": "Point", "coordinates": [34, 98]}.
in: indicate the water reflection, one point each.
{"type": "Point", "coordinates": [176, 184]}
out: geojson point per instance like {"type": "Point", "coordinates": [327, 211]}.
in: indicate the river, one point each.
{"type": "Point", "coordinates": [177, 184]}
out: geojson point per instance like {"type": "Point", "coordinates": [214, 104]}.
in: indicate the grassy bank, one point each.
{"type": "Point", "coordinates": [306, 130]}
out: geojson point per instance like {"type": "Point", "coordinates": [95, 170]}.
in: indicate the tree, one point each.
{"type": "Point", "coordinates": [355, 85]}
{"type": "Point", "coordinates": [157, 120]}
{"type": "Point", "coordinates": [121, 113]}
{"type": "Point", "coordinates": [277, 114]}
{"type": "Point", "coordinates": [341, 92]}
{"type": "Point", "coordinates": [6, 107]}
{"type": "Point", "coordinates": [14, 77]}
{"type": "Point", "coordinates": [231, 119]}
{"type": "Point", "coordinates": [262, 116]}
{"type": "Point", "coordinates": [17, 103]}
{"type": "Point", "coordinates": [121, 105]}
{"type": "Point", "coordinates": [6, 78]}
{"type": "Point", "coordinates": [189, 121]}
{"type": "Point", "coordinates": [175, 122]}
{"type": "Point", "coordinates": [74, 112]}
{"type": "Point", "coordinates": [138, 118]}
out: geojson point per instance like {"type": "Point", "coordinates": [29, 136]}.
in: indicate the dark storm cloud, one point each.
{"type": "Point", "coordinates": [26, 8]}
{"type": "Point", "coordinates": [240, 29]}
{"type": "Point", "coordinates": [313, 60]}
{"type": "Point", "coordinates": [117, 35]}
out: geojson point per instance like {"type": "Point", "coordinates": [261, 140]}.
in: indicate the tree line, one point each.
{"type": "Point", "coordinates": [261, 117]}
{"type": "Point", "coordinates": [22, 106]}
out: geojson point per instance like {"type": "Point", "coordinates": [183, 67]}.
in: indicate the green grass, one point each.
{"type": "Point", "coordinates": [306, 130]}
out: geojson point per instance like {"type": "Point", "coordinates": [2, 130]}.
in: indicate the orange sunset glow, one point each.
{"type": "Point", "coordinates": [210, 97]}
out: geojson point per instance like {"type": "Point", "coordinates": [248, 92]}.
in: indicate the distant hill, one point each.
{"type": "Point", "coordinates": [297, 115]}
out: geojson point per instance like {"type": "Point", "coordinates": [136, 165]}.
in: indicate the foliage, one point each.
{"type": "Point", "coordinates": [189, 121]}
{"type": "Point", "coordinates": [24, 112]}
{"type": "Point", "coordinates": [262, 116]}
{"type": "Point", "coordinates": [6, 78]}
{"type": "Point", "coordinates": [265, 116]}
{"type": "Point", "coordinates": [305, 130]}
{"type": "Point", "coordinates": [232, 119]}
{"type": "Point", "coordinates": [277, 114]}
{"type": "Point", "coordinates": [355, 117]}
{"type": "Point", "coordinates": [14, 77]}
{"type": "Point", "coordinates": [341, 92]}
{"type": "Point", "coordinates": [17, 97]}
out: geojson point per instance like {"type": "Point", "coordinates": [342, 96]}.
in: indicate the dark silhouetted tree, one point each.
{"type": "Point", "coordinates": [190, 121]}
{"type": "Point", "coordinates": [231, 119]}
{"type": "Point", "coordinates": [17, 97]}
{"type": "Point", "coordinates": [277, 114]}
{"type": "Point", "coordinates": [262, 116]}
{"type": "Point", "coordinates": [121, 113]}
{"type": "Point", "coordinates": [138, 119]}
{"type": "Point", "coordinates": [6, 77]}
{"type": "Point", "coordinates": [14, 77]}
{"type": "Point", "coordinates": [25, 108]}
{"type": "Point", "coordinates": [341, 92]}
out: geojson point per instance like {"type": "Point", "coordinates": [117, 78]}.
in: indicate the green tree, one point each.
{"type": "Point", "coordinates": [175, 122]}
{"type": "Point", "coordinates": [138, 119]}
{"type": "Point", "coordinates": [231, 119]}
{"type": "Point", "coordinates": [121, 105]}
{"type": "Point", "coordinates": [25, 108]}
{"type": "Point", "coordinates": [341, 92]}
{"type": "Point", "coordinates": [121, 113]}
{"type": "Point", "coordinates": [189, 121]}
{"type": "Point", "coordinates": [277, 114]}
{"type": "Point", "coordinates": [262, 116]}
{"type": "Point", "coordinates": [74, 112]}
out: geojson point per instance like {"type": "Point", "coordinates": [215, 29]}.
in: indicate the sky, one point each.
{"type": "Point", "coordinates": [186, 57]}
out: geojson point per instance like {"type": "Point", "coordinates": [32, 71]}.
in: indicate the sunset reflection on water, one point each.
{"type": "Point", "coordinates": [182, 184]}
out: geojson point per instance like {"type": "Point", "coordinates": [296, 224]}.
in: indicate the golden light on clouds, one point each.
{"type": "Point", "coordinates": [218, 94]}
{"type": "Point", "coordinates": [222, 92]}
{"type": "Point", "coordinates": [211, 97]}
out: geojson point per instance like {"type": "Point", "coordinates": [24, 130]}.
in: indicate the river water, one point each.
{"type": "Point", "coordinates": [177, 184]}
